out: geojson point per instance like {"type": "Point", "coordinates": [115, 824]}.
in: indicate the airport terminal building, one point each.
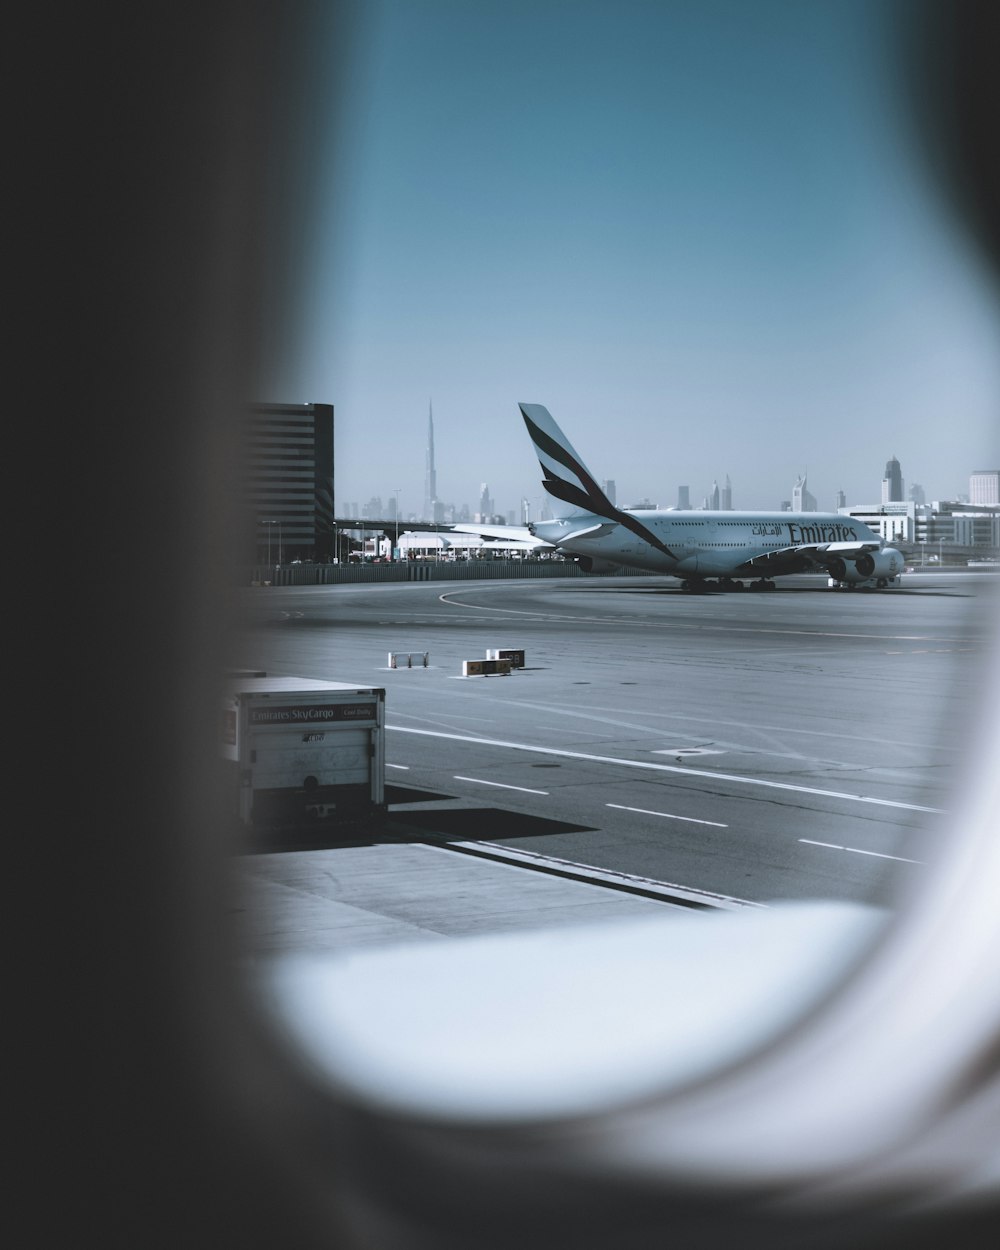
{"type": "Point", "coordinates": [942, 528]}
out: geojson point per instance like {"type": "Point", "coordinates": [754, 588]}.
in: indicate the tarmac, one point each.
{"type": "Point", "coordinates": [338, 898]}
{"type": "Point", "coordinates": [426, 980]}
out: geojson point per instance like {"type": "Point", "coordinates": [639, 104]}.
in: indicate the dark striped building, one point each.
{"type": "Point", "coordinates": [289, 481]}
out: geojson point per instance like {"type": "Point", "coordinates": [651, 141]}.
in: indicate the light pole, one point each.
{"type": "Point", "coordinates": [395, 545]}
{"type": "Point", "coordinates": [269, 525]}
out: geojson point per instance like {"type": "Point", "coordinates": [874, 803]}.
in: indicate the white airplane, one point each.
{"type": "Point", "coordinates": [696, 546]}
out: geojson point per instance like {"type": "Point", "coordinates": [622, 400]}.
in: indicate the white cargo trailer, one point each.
{"type": "Point", "coordinates": [303, 750]}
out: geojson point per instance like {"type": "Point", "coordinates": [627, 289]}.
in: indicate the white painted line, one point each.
{"type": "Point", "coordinates": [933, 651]}
{"type": "Point", "coordinates": [878, 855]}
{"type": "Point", "coordinates": [660, 624]}
{"type": "Point", "coordinates": [499, 784]}
{"type": "Point", "coordinates": [669, 815]}
{"type": "Point", "coordinates": [715, 722]}
{"type": "Point", "coordinates": [675, 751]}
{"type": "Point", "coordinates": [609, 876]}
{"type": "Point", "coordinates": [669, 768]}
{"type": "Point", "coordinates": [405, 767]}
{"type": "Point", "coordinates": [857, 851]}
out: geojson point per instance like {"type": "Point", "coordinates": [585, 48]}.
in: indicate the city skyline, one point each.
{"type": "Point", "coordinates": [891, 487]}
{"type": "Point", "coordinates": [688, 227]}
{"type": "Point", "coordinates": [873, 485]}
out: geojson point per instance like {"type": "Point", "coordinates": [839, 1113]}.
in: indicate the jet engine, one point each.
{"type": "Point", "coordinates": [590, 564]}
{"type": "Point", "coordinates": [870, 564]}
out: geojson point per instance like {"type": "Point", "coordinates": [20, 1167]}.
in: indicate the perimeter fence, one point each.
{"type": "Point", "coordinates": [412, 571]}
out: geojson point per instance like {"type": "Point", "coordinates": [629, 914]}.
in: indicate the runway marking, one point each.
{"type": "Point", "coordinates": [694, 718]}
{"type": "Point", "coordinates": [499, 784]}
{"type": "Point", "coordinates": [668, 815]}
{"type": "Point", "coordinates": [404, 767]}
{"type": "Point", "coordinates": [694, 625]}
{"type": "Point", "coordinates": [670, 768]}
{"type": "Point", "coordinates": [933, 651]}
{"type": "Point", "coordinates": [857, 851]}
{"type": "Point", "coordinates": [675, 751]}
{"type": "Point", "coordinates": [689, 894]}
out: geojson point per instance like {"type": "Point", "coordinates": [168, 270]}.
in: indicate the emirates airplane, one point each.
{"type": "Point", "coordinates": [695, 546]}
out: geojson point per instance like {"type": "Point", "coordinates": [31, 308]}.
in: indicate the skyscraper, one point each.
{"type": "Point", "coordinates": [713, 499]}
{"type": "Point", "coordinates": [609, 489]}
{"type": "Point", "coordinates": [802, 500]}
{"type": "Point", "coordinates": [684, 497]}
{"type": "Point", "coordinates": [288, 478]}
{"type": "Point", "coordinates": [430, 474]}
{"type": "Point", "coordinates": [892, 483]}
{"type": "Point", "coordinates": [984, 487]}
{"type": "Point", "coordinates": [727, 496]}
{"type": "Point", "coordinates": [485, 503]}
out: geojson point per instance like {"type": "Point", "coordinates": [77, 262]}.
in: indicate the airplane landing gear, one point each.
{"type": "Point", "coordinates": [698, 586]}
{"type": "Point", "coordinates": [761, 584]}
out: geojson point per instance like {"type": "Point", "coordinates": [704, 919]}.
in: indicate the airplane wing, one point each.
{"type": "Point", "coordinates": [805, 556]}
{"type": "Point", "coordinates": [511, 533]}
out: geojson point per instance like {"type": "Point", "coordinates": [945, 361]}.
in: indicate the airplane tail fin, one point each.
{"type": "Point", "coordinates": [567, 480]}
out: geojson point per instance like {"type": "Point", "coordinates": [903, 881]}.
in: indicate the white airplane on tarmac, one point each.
{"type": "Point", "coordinates": [695, 546]}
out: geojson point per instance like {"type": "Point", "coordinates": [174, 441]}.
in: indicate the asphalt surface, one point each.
{"type": "Point", "coordinates": [799, 743]}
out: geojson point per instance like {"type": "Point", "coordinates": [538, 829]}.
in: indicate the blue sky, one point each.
{"type": "Point", "coordinates": [700, 234]}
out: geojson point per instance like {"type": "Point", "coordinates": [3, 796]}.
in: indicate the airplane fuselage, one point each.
{"type": "Point", "coordinates": [702, 544]}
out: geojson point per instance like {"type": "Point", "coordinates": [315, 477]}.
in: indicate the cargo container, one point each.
{"type": "Point", "coordinates": [302, 750]}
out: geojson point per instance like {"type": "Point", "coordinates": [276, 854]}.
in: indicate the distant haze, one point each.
{"type": "Point", "coordinates": [700, 233]}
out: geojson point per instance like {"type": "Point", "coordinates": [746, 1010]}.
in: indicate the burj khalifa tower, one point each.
{"type": "Point", "coordinates": [430, 474]}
